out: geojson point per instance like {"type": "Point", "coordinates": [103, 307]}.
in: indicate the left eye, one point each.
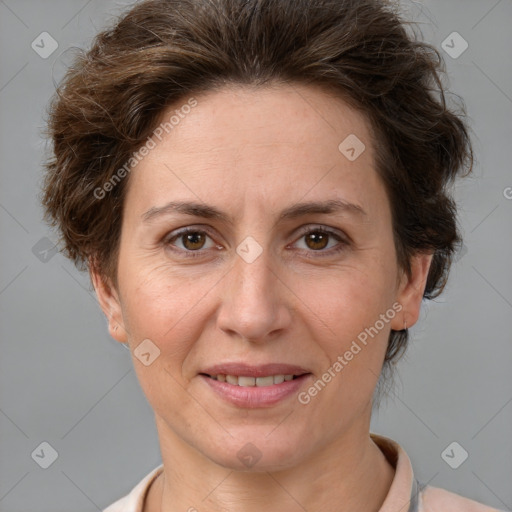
{"type": "Point", "coordinates": [318, 239]}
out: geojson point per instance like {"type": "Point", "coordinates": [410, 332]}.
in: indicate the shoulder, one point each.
{"type": "Point", "coordinates": [134, 501]}
{"type": "Point", "coordinates": [435, 499]}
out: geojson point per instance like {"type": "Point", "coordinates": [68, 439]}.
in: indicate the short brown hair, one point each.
{"type": "Point", "coordinates": [162, 51]}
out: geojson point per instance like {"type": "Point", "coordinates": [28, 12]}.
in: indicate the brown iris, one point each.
{"type": "Point", "coordinates": [194, 240]}
{"type": "Point", "coordinates": [316, 240]}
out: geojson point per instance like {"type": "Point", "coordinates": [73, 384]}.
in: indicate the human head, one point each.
{"type": "Point", "coordinates": [161, 52]}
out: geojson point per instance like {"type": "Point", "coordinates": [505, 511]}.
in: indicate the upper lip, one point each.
{"type": "Point", "coordinates": [242, 369]}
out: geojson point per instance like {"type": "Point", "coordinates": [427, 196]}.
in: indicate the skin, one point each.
{"type": "Point", "coordinates": [251, 153]}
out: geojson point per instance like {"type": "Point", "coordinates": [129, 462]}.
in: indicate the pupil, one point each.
{"type": "Point", "coordinates": [196, 239]}
{"type": "Point", "coordinates": [318, 238]}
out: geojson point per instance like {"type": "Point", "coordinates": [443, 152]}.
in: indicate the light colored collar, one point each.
{"type": "Point", "coordinates": [403, 493]}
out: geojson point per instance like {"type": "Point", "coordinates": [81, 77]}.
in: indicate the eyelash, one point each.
{"type": "Point", "coordinates": [342, 243]}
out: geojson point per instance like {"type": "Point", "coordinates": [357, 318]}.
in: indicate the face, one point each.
{"type": "Point", "coordinates": [288, 259]}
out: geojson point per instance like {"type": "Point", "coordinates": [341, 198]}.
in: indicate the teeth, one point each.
{"type": "Point", "coordinates": [280, 378]}
{"type": "Point", "coordinates": [263, 381]}
{"type": "Point", "coordinates": [252, 381]}
{"type": "Point", "coordinates": [247, 381]}
{"type": "Point", "coordinates": [231, 379]}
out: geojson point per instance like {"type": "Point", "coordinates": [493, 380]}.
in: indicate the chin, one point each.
{"type": "Point", "coordinates": [257, 450]}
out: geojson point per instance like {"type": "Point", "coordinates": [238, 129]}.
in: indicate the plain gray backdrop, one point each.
{"type": "Point", "coordinates": [65, 382]}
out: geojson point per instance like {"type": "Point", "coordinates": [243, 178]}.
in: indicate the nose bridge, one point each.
{"type": "Point", "coordinates": [252, 305]}
{"type": "Point", "coordinates": [253, 269]}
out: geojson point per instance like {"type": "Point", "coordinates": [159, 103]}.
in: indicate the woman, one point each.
{"type": "Point", "coordinates": [258, 189]}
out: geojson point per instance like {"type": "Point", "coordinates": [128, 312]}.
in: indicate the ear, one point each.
{"type": "Point", "coordinates": [410, 291]}
{"type": "Point", "coordinates": [108, 299]}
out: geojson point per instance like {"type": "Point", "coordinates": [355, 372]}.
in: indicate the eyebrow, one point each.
{"type": "Point", "coordinates": [292, 212]}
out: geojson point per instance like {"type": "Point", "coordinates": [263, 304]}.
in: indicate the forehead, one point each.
{"type": "Point", "coordinates": [236, 116]}
{"type": "Point", "coordinates": [258, 142]}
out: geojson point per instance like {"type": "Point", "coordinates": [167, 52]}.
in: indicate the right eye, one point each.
{"type": "Point", "coordinates": [190, 241]}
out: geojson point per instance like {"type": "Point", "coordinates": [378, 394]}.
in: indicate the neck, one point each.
{"type": "Point", "coordinates": [351, 474]}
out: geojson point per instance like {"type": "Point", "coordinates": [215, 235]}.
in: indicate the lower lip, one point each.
{"type": "Point", "coordinates": [255, 396]}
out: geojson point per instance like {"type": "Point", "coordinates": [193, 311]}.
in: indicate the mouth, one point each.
{"type": "Point", "coordinates": [249, 386]}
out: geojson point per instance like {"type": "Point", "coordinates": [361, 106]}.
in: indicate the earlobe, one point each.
{"type": "Point", "coordinates": [110, 304]}
{"type": "Point", "coordinates": [410, 292]}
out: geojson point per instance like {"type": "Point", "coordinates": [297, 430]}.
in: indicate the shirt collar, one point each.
{"type": "Point", "coordinates": [403, 493]}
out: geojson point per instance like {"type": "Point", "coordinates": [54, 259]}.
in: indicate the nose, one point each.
{"type": "Point", "coordinates": [254, 300]}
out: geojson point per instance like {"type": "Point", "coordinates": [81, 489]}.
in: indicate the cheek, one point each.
{"type": "Point", "coordinates": [349, 305]}
{"type": "Point", "coordinates": [169, 311]}
{"type": "Point", "coordinates": [347, 301]}
{"type": "Point", "coordinates": [161, 305]}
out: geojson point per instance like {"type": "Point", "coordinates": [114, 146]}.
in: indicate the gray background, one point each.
{"type": "Point", "coordinates": [63, 380]}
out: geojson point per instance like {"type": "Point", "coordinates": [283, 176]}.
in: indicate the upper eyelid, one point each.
{"type": "Point", "coordinates": [320, 227]}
